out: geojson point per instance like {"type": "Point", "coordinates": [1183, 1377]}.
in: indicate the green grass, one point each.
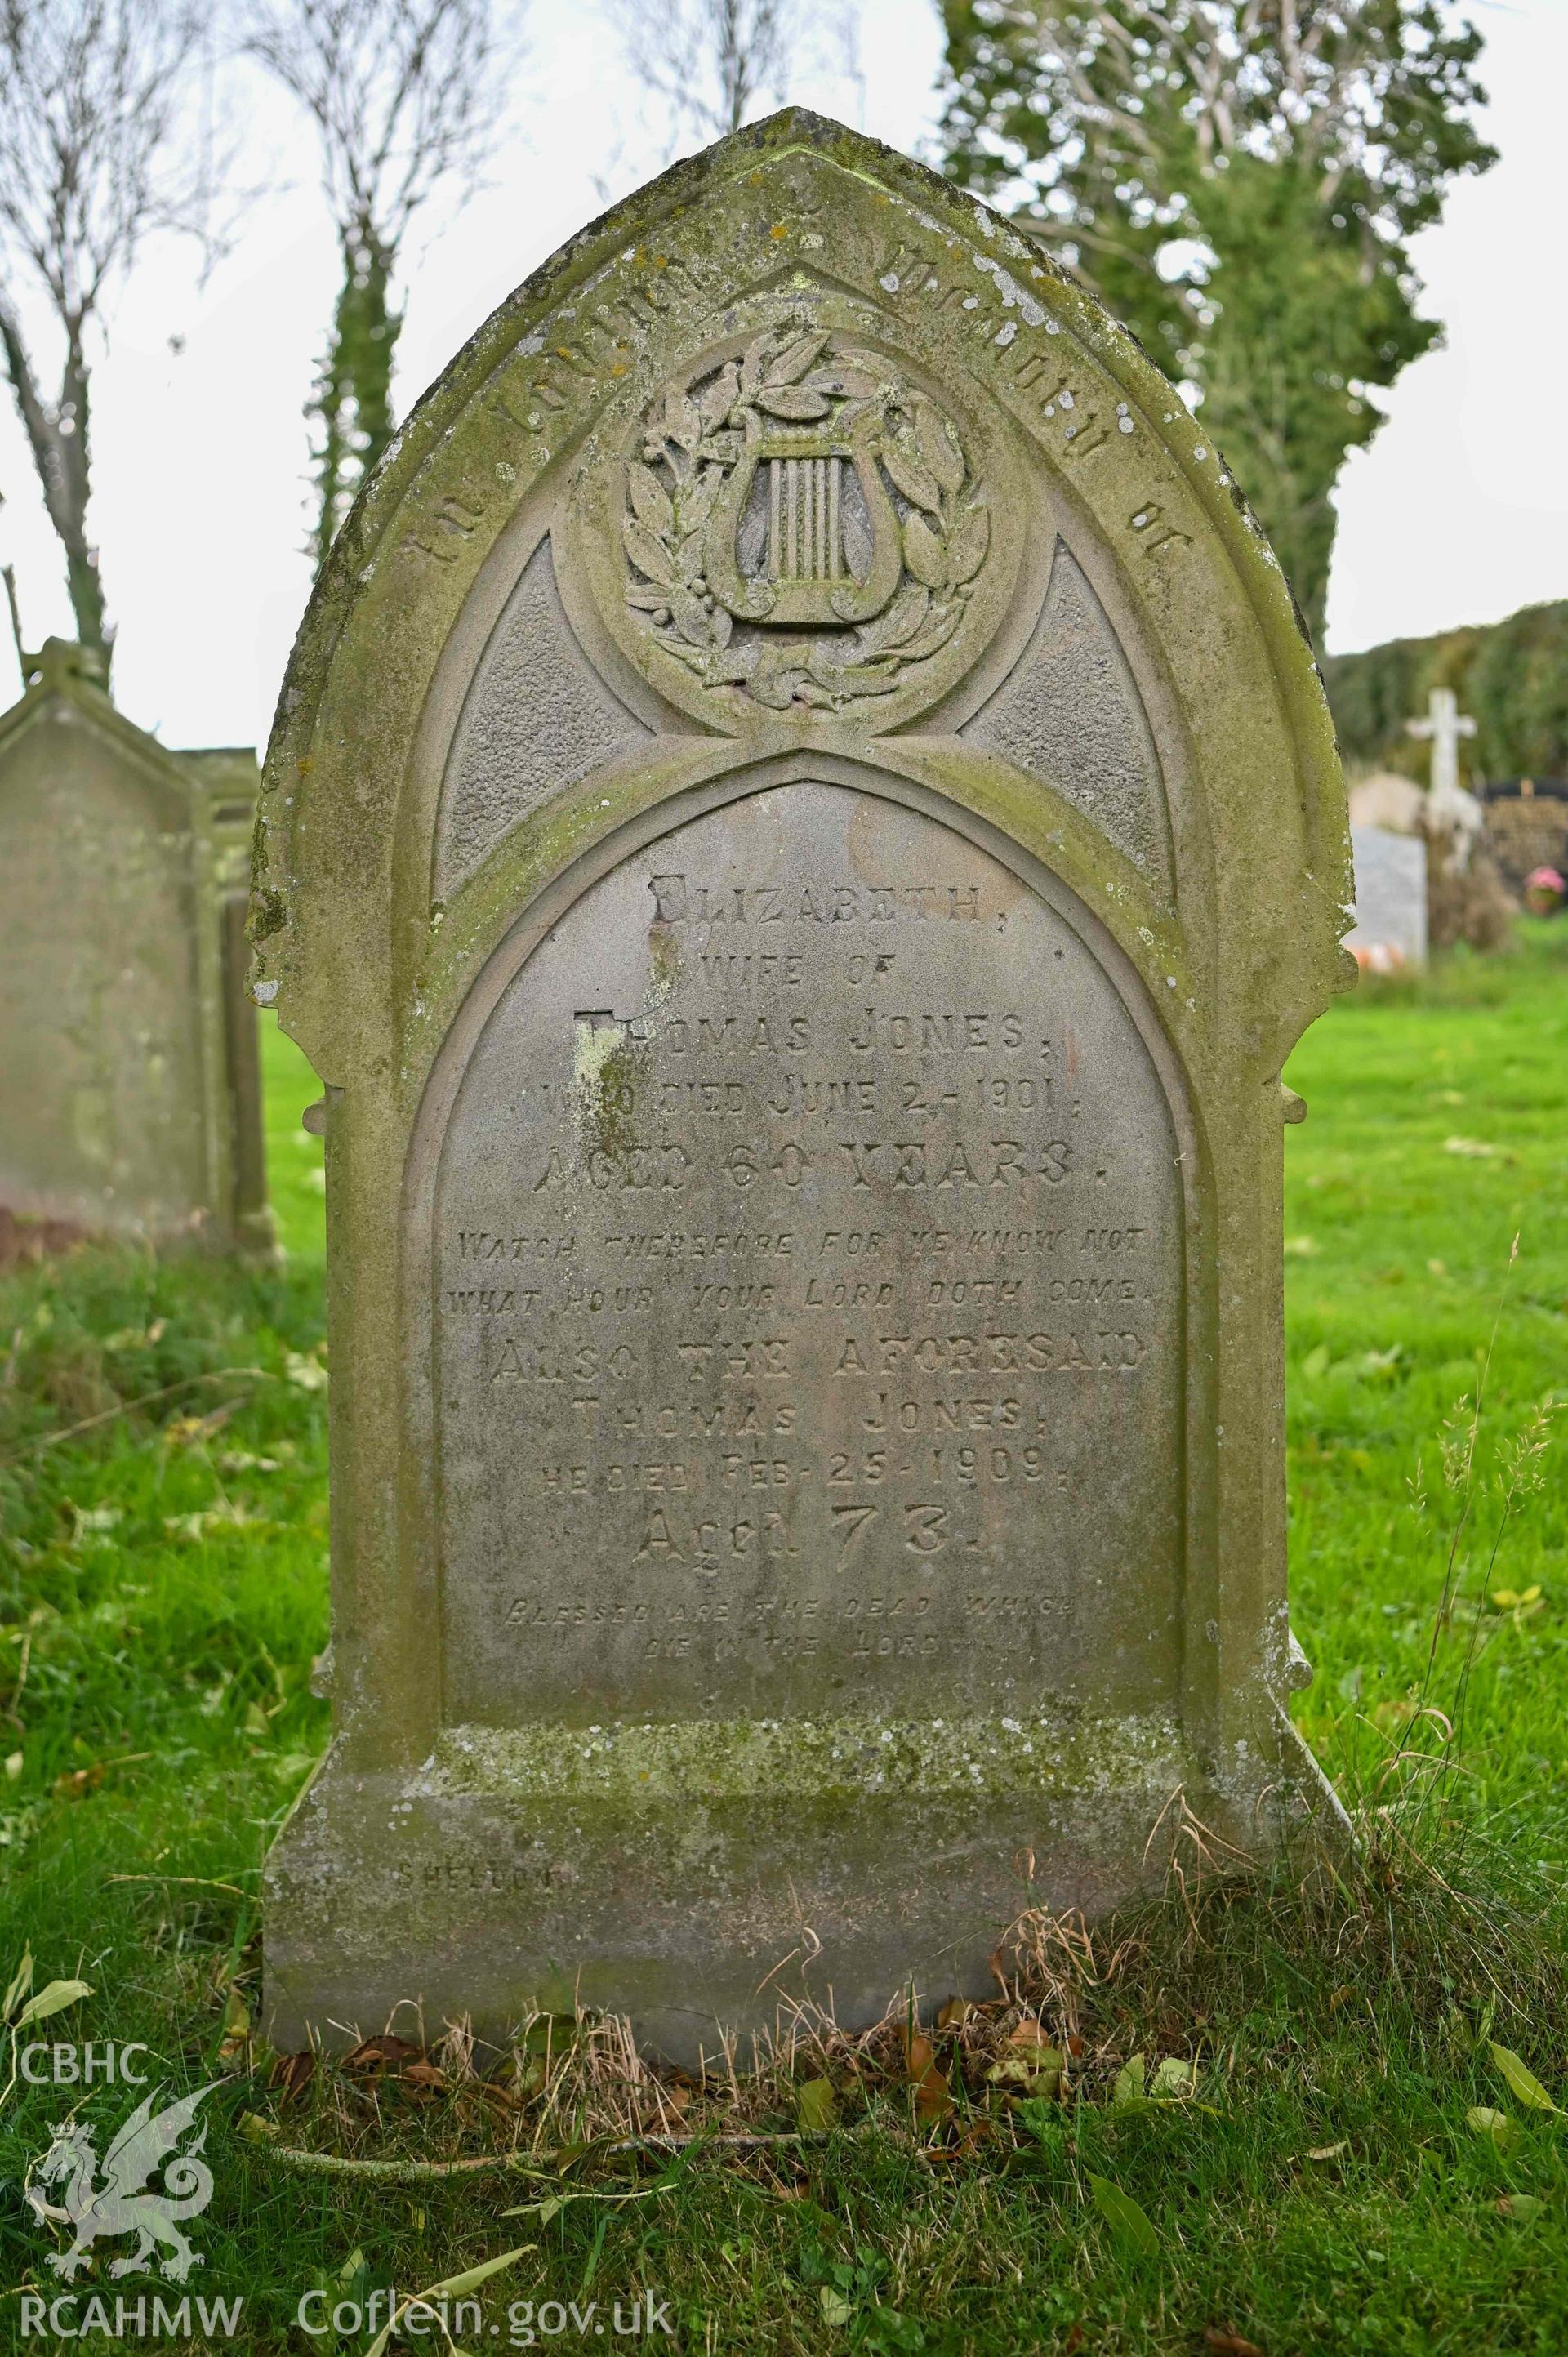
{"type": "Point", "coordinates": [295, 1181]}
{"type": "Point", "coordinates": [163, 1592]}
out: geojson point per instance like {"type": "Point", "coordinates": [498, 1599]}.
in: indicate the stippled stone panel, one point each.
{"type": "Point", "coordinates": [1070, 714]}
{"type": "Point", "coordinates": [537, 718]}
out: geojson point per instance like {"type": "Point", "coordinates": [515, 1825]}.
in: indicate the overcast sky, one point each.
{"type": "Point", "coordinates": [1457, 514]}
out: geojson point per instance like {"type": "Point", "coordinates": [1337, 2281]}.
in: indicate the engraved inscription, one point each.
{"type": "Point", "coordinates": [808, 1269]}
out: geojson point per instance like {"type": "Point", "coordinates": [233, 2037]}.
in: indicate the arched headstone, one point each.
{"type": "Point", "coordinates": [802, 831]}
{"type": "Point", "coordinates": [130, 1084]}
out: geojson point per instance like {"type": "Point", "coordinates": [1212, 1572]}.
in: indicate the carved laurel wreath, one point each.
{"type": "Point", "coordinates": [693, 439]}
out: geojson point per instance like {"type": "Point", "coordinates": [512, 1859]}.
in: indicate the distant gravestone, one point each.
{"type": "Point", "coordinates": [802, 831]}
{"type": "Point", "coordinates": [130, 1092]}
{"type": "Point", "coordinates": [1390, 931]}
{"type": "Point", "coordinates": [1527, 827]}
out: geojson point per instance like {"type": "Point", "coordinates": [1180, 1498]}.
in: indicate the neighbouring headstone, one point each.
{"type": "Point", "coordinates": [1390, 931]}
{"type": "Point", "coordinates": [801, 833]}
{"type": "Point", "coordinates": [1527, 827]}
{"type": "Point", "coordinates": [1384, 800]}
{"type": "Point", "coordinates": [130, 1091]}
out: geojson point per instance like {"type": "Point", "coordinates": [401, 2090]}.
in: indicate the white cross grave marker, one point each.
{"type": "Point", "coordinates": [1444, 724]}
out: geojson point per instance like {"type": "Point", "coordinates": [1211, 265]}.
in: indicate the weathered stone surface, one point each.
{"type": "Point", "coordinates": [538, 717]}
{"type": "Point", "coordinates": [803, 1146]}
{"type": "Point", "coordinates": [130, 1099]}
{"type": "Point", "coordinates": [839, 1306]}
{"type": "Point", "coordinates": [1070, 715]}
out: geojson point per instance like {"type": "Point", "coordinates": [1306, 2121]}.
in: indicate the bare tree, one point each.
{"type": "Point", "coordinates": [710, 60]}
{"type": "Point", "coordinates": [97, 155]}
{"type": "Point", "coordinates": [405, 95]}
{"type": "Point", "coordinates": [713, 63]}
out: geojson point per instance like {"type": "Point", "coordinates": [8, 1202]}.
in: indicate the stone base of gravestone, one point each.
{"type": "Point", "coordinates": [697, 1878]}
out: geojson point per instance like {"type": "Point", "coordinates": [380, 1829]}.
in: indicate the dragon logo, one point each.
{"type": "Point", "coordinates": [118, 2202]}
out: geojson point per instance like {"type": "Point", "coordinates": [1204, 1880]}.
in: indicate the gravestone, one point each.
{"type": "Point", "coordinates": [1527, 827]}
{"type": "Point", "coordinates": [130, 1089]}
{"type": "Point", "coordinates": [802, 831]}
{"type": "Point", "coordinates": [1390, 931]}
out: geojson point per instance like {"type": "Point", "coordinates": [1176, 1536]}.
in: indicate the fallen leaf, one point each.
{"type": "Point", "coordinates": [52, 1998]}
{"type": "Point", "coordinates": [933, 2096]}
{"type": "Point", "coordinates": [1229, 2344]}
{"type": "Point", "coordinates": [21, 1982]}
{"type": "Point", "coordinates": [424, 2077]}
{"type": "Point", "coordinates": [526, 2077]}
{"type": "Point", "coordinates": [1129, 2083]}
{"type": "Point", "coordinates": [816, 2106]}
{"type": "Point", "coordinates": [1328, 2151]}
{"type": "Point", "coordinates": [1522, 2081]}
{"type": "Point", "coordinates": [1032, 2062]}
{"type": "Point", "coordinates": [550, 2206]}
{"type": "Point", "coordinates": [1130, 2225]}
{"type": "Point", "coordinates": [472, 2277]}
{"type": "Point", "coordinates": [469, 2280]}
{"type": "Point", "coordinates": [1472, 1148]}
{"type": "Point", "coordinates": [1315, 1363]}
{"type": "Point", "coordinates": [291, 2074]}
{"type": "Point", "coordinates": [956, 2011]}
{"type": "Point", "coordinates": [837, 2310]}
{"type": "Point", "coordinates": [256, 2130]}
{"type": "Point", "coordinates": [236, 2026]}
{"type": "Point", "coordinates": [1522, 2206]}
{"type": "Point", "coordinates": [376, 2054]}
{"type": "Point", "coordinates": [551, 2033]}
{"type": "Point", "coordinates": [1487, 2121]}
{"type": "Point", "coordinates": [1038, 2072]}
{"type": "Point", "coordinates": [1173, 2078]}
